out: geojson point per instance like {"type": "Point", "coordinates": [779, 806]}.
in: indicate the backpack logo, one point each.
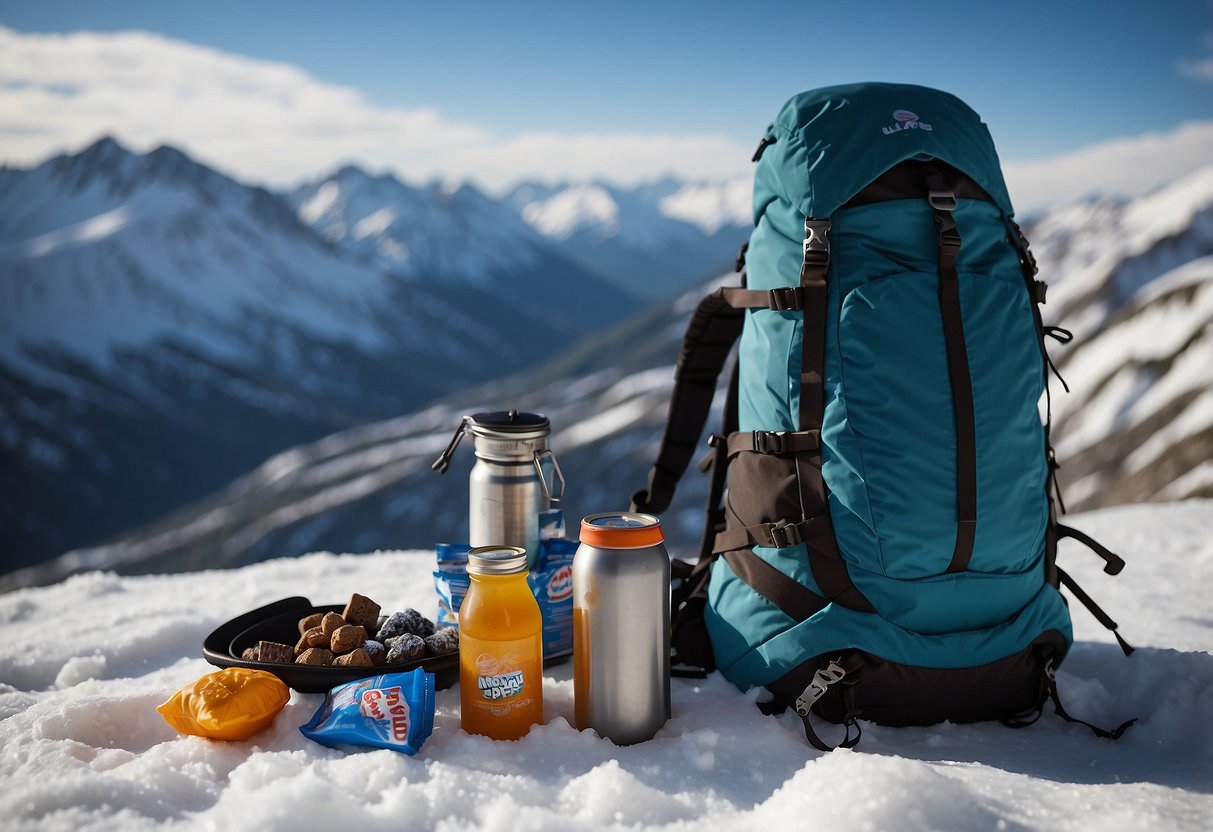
{"type": "Point", "coordinates": [905, 120]}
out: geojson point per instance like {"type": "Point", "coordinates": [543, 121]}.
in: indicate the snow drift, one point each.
{"type": "Point", "coordinates": [84, 663]}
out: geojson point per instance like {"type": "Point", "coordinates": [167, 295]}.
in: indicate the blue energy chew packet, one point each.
{"type": "Point", "coordinates": [395, 710]}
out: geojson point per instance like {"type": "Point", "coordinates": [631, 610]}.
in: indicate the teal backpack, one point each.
{"type": "Point", "coordinates": [886, 546]}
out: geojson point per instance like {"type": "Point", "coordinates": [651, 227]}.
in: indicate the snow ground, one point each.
{"type": "Point", "coordinates": [84, 663]}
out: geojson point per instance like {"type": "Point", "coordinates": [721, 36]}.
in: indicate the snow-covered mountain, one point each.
{"type": "Point", "coordinates": [658, 238]}
{"type": "Point", "coordinates": [372, 487]}
{"type": "Point", "coordinates": [1139, 303]}
{"type": "Point", "coordinates": [444, 229]}
{"type": "Point", "coordinates": [1134, 282]}
{"type": "Point", "coordinates": [163, 328]}
{"type": "Point", "coordinates": [652, 241]}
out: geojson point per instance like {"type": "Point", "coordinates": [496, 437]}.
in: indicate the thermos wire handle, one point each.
{"type": "Point", "coordinates": [550, 494]}
{"type": "Point", "coordinates": [444, 461]}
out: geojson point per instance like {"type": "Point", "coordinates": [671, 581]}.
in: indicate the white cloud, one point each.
{"type": "Point", "coordinates": [1202, 70]}
{"type": "Point", "coordinates": [273, 123]}
{"type": "Point", "coordinates": [1127, 166]}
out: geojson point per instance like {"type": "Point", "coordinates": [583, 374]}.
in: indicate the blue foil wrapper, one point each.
{"type": "Point", "coordinates": [550, 579]}
{"type": "Point", "coordinates": [395, 710]}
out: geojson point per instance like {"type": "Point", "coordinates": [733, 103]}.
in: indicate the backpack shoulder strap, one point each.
{"type": "Point", "coordinates": [714, 327]}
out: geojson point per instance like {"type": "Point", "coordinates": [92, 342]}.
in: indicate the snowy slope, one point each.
{"type": "Point", "coordinates": [659, 238]}
{"type": "Point", "coordinates": [1132, 278]}
{"type": "Point", "coordinates": [1137, 426]}
{"type": "Point", "coordinates": [1134, 282]}
{"type": "Point", "coordinates": [164, 328]}
{"type": "Point", "coordinates": [81, 747]}
{"type": "Point", "coordinates": [371, 487]}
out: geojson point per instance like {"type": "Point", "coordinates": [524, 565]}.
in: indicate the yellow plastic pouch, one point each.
{"type": "Point", "coordinates": [230, 704]}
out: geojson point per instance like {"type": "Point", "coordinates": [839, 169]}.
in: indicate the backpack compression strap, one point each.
{"type": "Point", "coordinates": [813, 526]}
{"type": "Point", "coordinates": [943, 202]}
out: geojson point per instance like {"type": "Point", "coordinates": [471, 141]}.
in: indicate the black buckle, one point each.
{"type": "Point", "coordinates": [1039, 290]}
{"type": "Point", "coordinates": [949, 236]}
{"type": "Point", "coordinates": [786, 299]}
{"type": "Point", "coordinates": [1025, 251]}
{"type": "Point", "coordinates": [784, 536]}
{"type": "Point", "coordinates": [768, 441]}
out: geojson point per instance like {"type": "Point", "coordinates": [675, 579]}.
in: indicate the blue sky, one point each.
{"type": "Point", "coordinates": [1049, 78]}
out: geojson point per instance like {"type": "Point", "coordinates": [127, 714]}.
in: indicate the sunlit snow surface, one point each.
{"type": "Point", "coordinates": [85, 662]}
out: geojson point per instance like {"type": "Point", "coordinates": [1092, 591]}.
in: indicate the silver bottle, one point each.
{"type": "Point", "coordinates": [509, 484]}
{"type": "Point", "coordinates": [621, 630]}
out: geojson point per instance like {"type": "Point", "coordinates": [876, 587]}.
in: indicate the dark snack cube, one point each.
{"type": "Point", "coordinates": [272, 651]}
{"type": "Point", "coordinates": [378, 626]}
{"type": "Point", "coordinates": [347, 638]}
{"type": "Point", "coordinates": [355, 658]}
{"type": "Point", "coordinates": [443, 642]}
{"type": "Point", "coordinates": [419, 624]}
{"type": "Point", "coordinates": [405, 648]}
{"type": "Point", "coordinates": [310, 621]}
{"type": "Point", "coordinates": [376, 651]}
{"type": "Point", "coordinates": [315, 655]}
{"type": "Point", "coordinates": [361, 611]}
{"type": "Point", "coordinates": [409, 621]}
{"type": "Point", "coordinates": [395, 625]}
{"type": "Point", "coordinates": [250, 654]}
{"type": "Point", "coordinates": [331, 622]}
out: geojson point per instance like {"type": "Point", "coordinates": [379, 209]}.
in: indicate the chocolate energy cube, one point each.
{"type": "Point", "coordinates": [316, 656]}
{"type": "Point", "coordinates": [331, 622]}
{"type": "Point", "coordinates": [250, 654]}
{"type": "Point", "coordinates": [355, 658]}
{"type": "Point", "coordinates": [347, 638]}
{"type": "Point", "coordinates": [316, 638]}
{"type": "Point", "coordinates": [361, 611]}
{"type": "Point", "coordinates": [272, 651]}
{"type": "Point", "coordinates": [311, 621]}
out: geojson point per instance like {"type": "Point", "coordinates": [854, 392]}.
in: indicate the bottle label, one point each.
{"type": "Point", "coordinates": [499, 687]}
{"type": "Point", "coordinates": [505, 674]}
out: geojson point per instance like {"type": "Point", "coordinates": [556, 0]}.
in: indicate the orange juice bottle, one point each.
{"type": "Point", "coordinates": [500, 646]}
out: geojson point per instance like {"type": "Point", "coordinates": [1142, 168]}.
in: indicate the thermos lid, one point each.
{"type": "Point", "coordinates": [511, 421]}
{"type": "Point", "coordinates": [496, 560]}
{"type": "Point", "coordinates": [507, 436]}
{"type": "Point", "coordinates": [621, 530]}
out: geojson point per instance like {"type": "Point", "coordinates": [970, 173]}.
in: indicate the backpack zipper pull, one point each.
{"type": "Point", "coordinates": [763, 145]}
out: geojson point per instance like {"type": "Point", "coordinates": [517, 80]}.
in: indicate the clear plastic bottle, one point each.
{"type": "Point", "coordinates": [500, 646]}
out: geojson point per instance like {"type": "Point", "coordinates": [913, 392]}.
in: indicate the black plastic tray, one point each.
{"type": "Point", "coordinates": [279, 622]}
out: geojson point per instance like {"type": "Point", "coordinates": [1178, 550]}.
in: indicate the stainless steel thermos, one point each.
{"type": "Point", "coordinates": [509, 484]}
{"type": "Point", "coordinates": [621, 635]}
